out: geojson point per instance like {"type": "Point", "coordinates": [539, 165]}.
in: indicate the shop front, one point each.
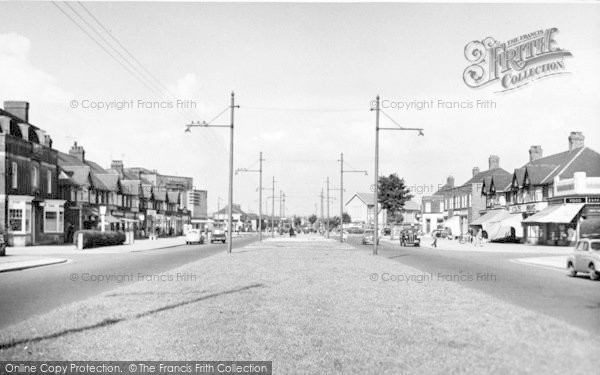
{"type": "Point", "coordinates": [35, 222]}
{"type": "Point", "coordinates": [554, 225]}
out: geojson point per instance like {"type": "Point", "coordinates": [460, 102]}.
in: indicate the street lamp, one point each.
{"type": "Point", "coordinates": [260, 190]}
{"type": "Point", "coordinates": [342, 171]}
{"type": "Point", "coordinates": [377, 109]}
{"type": "Point", "coordinates": [204, 124]}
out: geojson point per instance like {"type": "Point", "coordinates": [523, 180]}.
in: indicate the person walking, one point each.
{"type": "Point", "coordinates": [479, 240]}
{"type": "Point", "coordinates": [434, 243]}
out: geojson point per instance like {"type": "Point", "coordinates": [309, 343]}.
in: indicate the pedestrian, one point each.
{"type": "Point", "coordinates": [479, 240]}
{"type": "Point", "coordinates": [434, 244]}
{"type": "Point", "coordinates": [70, 230]}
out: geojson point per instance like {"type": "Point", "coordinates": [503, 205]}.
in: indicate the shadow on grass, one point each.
{"type": "Point", "coordinates": [109, 322]}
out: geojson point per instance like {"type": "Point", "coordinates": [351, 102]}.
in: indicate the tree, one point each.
{"type": "Point", "coordinates": [297, 221]}
{"type": "Point", "coordinates": [393, 194]}
{"type": "Point", "coordinates": [334, 222]}
{"type": "Point", "coordinates": [312, 219]}
{"type": "Point", "coordinates": [346, 219]}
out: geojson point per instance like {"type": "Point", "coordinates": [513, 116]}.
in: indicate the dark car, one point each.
{"type": "Point", "coordinates": [369, 237]}
{"type": "Point", "coordinates": [218, 235]}
{"type": "Point", "coordinates": [409, 237]}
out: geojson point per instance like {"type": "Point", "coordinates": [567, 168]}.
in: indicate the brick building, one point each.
{"type": "Point", "coordinates": [31, 211]}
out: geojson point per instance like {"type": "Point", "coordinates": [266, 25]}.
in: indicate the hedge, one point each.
{"type": "Point", "coordinates": [96, 238]}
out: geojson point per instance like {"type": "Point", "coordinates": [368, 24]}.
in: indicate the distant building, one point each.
{"type": "Point", "coordinates": [548, 195]}
{"type": "Point", "coordinates": [31, 211]}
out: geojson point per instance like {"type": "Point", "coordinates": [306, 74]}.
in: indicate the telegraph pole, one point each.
{"type": "Point", "coordinates": [232, 108]}
{"type": "Point", "coordinates": [376, 178]}
{"type": "Point", "coordinates": [321, 196]}
{"type": "Point", "coordinates": [260, 189]}
{"type": "Point", "coordinates": [328, 207]}
{"type": "Point", "coordinates": [342, 171]}
{"type": "Point", "coordinates": [273, 210]}
{"type": "Point", "coordinates": [377, 109]}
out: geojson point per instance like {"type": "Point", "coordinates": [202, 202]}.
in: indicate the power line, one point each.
{"type": "Point", "coordinates": [156, 88]}
{"type": "Point", "coordinates": [304, 109]}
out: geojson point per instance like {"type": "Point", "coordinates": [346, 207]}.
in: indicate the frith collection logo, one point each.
{"type": "Point", "coordinates": [516, 62]}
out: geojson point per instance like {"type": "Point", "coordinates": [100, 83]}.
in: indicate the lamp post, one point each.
{"type": "Point", "coordinates": [342, 171]}
{"type": "Point", "coordinates": [232, 108]}
{"type": "Point", "coordinates": [102, 218]}
{"type": "Point", "coordinates": [377, 109]}
{"type": "Point", "coordinates": [260, 190]}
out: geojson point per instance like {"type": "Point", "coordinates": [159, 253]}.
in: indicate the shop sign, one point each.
{"type": "Point", "coordinates": [591, 211]}
{"type": "Point", "coordinates": [575, 200]}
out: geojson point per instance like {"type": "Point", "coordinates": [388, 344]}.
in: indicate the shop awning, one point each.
{"type": "Point", "coordinates": [491, 216]}
{"type": "Point", "coordinates": [111, 219]}
{"type": "Point", "coordinates": [560, 214]}
{"type": "Point", "coordinates": [454, 224]}
{"type": "Point", "coordinates": [504, 226]}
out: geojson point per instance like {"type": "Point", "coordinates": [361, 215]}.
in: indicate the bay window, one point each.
{"type": "Point", "coordinates": [54, 217]}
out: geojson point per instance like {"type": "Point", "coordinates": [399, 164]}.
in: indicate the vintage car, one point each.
{"type": "Point", "coordinates": [409, 237]}
{"type": "Point", "coordinates": [194, 236]}
{"type": "Point", "coordinates": [585, 258]}
{"type": "Point", "coordinates": [218, 235]}
{"type": "Point", "coordinates": [368, 236]}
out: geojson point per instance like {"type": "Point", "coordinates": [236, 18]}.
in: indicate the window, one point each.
{"type": "Point", "coordinates": [49, 181]}
{"type": "Point", "coordinates": [15, 175]}
{"type": "Point", "coordinates": [34, 176]}
{"type": "Point", "coordinates": [19, 218]}
{"type": "Point", "coordinates": [427, 206]}
{"type": "Point", "coordinates": [15, 220]}
{"type": "Point", "coordinates": [53, 218]}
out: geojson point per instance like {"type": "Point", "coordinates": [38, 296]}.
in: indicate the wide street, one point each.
{"type": "Point", "coordinates": [310, 305]}
{"type": "Point", "coordinates": [38, 290]}
{"type": "Point", "coordinates": [545, 290]}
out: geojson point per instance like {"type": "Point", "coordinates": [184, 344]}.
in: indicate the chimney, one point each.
{"type": "Point", "coordinates": [78, 152]}
{"type": "Point", "coordinates": [475, 171]}
{"type": "Point", "coordinates": [18, 109]}
{"type": "Point", "coordinates": [576, 140]}
{"type": "Point", "coordinates": [117, 165]}
{"type": "Point", "coordinates": [494, 162]}
{"type": "Point", "coordinates": [535, 153]}
{"type": "Point", "coordinates": [450, 181]}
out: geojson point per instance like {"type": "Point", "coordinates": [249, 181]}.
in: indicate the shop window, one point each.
{"type": "Point", "coordinates": [15, 220]}
{"type": "Point", "coordinates": [19, 220]}
{"type": "Point", "coordinates": [54, 220]}
{"type": "Point", "coordinates": [15, 175]}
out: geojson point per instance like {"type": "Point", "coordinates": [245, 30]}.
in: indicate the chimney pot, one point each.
{"type": "Point", "coordinates": [78, 152]}
{"type": "Point", "coordinates": [19, 109]}
{"type": "Point", "coordinates": [494, 162]}
{"type": "Point", "coordinates": [576, 140]}
{"type": "Point", "coordinates": [535, 153]}
{"type": "Point", "coordinates": [475, 171]}
{"type": "Point", "coordinates": [450, 181]}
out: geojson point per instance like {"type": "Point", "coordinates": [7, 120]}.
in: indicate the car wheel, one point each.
{"type": "Point", "coordinates": [594, 275]}
{"type": "Point", "coordinates": [571, 270]}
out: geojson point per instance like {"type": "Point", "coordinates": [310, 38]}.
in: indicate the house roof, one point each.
{"type": "Point", "coordinates": [563, 164]}
{"type": "Point", "coordinates": [160, 195]}
{"type": "Point", "coordinates": [78, 174]}
{"type": "Point", "coordinates": [130, 187]}
{"type": "Point", "coordinates": [173, 196]}
{"type": "Point", "coordinates": [109, 181]}
{"type": "Point", "coordinates": [69, 160]}
{"type": "Point", "coordinates": [481, 176]}
{"type": "Point", "coordinates": [501, 182]}
{"type": "Point", "coordinates": [235, 209]}
{"type": "Point", "coordinates": [369, 198]}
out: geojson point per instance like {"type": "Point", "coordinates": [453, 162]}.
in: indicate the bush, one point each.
{"type": "Point", "coordinates": [96, 238]}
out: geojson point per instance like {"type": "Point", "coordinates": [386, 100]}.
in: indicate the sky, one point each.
{"type": "Point", "coordinates": [304, 76]}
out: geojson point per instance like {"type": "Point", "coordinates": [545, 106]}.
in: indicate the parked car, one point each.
{"type": "Point", "coordinates": [368, 236]}
{"type": "Point", "coordinates": [585, 258]}
{"type": "Point", "coordinates": [409, 237]}
{"type": "Point", "coordinates": [194, 236]}
{"type": "Point", "coordinates": [355, 230]}
{"type": "Point", "coordinates": [218, 235]}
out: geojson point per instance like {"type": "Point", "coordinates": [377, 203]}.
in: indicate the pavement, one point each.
{"type": "Point", "coordinates": [489, 247]}
{"type": "Point", "coordinates": [310, 305]}
{"type": "Point", "coordinates": [22, 257]}
{"type": "Point", "coordinates": [21, 262]}
{"type": "Point", "coordinates": [554, 262]}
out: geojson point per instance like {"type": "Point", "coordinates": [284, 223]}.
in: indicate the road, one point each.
{"type": "Point", "coordinates": [548, 291]}
{"type": "Point", "coordinates": [38, 290]}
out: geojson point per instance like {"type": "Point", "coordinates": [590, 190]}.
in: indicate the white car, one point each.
{"type": "Point", "coordinates": [194, 236]}
{"type": "Point", "coordinates": [585, 258]}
